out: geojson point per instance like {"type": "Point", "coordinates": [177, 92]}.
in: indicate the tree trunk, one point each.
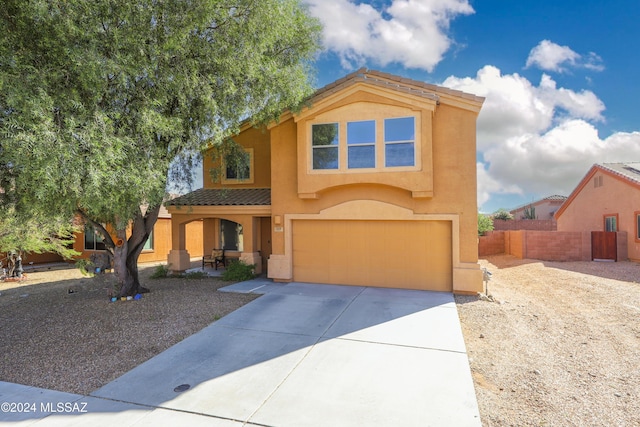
{"type": "Point", "coordinates": [127, 251]}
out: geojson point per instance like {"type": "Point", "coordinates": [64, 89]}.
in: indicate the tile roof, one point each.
{"type": "Point", "coordinates": [224, 197]}
{"type": "Point", "coordinates": [628, 170]}
{"type": "Point", "coordinates": [553, 198]}
{"type": "Point", "coordinates": [402, 84]}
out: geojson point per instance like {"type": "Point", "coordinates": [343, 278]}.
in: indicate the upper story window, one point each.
{"type": "Point", "coordinates": [361, 144]}
{"type": "Point", "coordinates": [364, 144]}
{"type": "Point", "coordinates": [238, 168]}
{"type": "Point", "coordinates": [399, 142]}
{"type": "Point", "coordinates": [324, 141]}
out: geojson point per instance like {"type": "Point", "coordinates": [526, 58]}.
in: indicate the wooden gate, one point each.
{"type": "Point", "coordinates": [604, 245]}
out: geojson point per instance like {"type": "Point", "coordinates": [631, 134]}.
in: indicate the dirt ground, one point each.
{"type": "Point", "coordinates": [59, 330]}
{"type": "Point", "coordinates": [559, 346]}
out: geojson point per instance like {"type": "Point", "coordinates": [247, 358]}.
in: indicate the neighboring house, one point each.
{"type": "Point", "coordinates": [373, 184]}
{"type": "Point", "coordinates": [544, 208]}
{"type": "Point", "coordinates": [606, 199]}
{"type": "Point", "coordinates": [156, 248]}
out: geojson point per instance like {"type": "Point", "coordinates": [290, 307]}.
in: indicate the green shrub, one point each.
{"type": "Point", "coordinates": [196, 275]}
{"type": "Point", "coordinates": [238, 271]}
{"type": "Point", "coordinates": [503, 215]}
{"type": "Point", "coordinates": [85, 266]}
{"type": "Point", "coordinates": [485, 223]}
{"type": "Point", "coordinates": [161, 272]}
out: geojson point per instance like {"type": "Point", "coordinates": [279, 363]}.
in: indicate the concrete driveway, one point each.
{"type": "Point", "coordinates": [302, 355]}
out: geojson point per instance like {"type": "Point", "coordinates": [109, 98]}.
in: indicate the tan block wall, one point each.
{"type": "Point", "coordinates": [543, 245]}
{"type": "Point", "coordinates": [525, 224]}
{"type": "Point", "coordinates": [492, 243]}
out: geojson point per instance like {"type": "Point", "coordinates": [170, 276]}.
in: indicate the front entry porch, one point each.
{"type": "Point", "coordinates": [237, 221]}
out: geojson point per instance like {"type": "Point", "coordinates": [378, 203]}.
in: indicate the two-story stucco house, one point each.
{"type": "Point", "coordinates": [374, 184]}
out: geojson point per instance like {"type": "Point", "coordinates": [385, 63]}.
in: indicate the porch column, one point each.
{"type": "Point", "coordinates": [251, 231]}
{"type": "Point", "coordinates": [178, 259]}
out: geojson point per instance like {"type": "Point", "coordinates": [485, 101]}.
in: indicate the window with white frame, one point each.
{"type": "Point", "coordinates": [324, 143]}
{"type": "Point", "coordinates": [611, 223]}
{"type": "Point", "coordinates": [361, 144]}
{"type": "Point", "coordinates": [399, 142]}
{"type": "Point", "coordinates": [385, 143]}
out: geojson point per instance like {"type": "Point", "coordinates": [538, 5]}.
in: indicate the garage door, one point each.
{"type": "Point", "coordinates": [395, 254]}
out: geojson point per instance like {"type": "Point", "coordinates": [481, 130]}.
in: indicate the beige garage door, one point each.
{"type": "Point", "coordinates": [395, 254]}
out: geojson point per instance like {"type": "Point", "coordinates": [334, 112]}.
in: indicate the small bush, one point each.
{"type": "Point", "coordinates": [238, 271]}
{"type": "Point", "coordinates": [503, 215]}
{"type": "Point", "coordinates": [196, 275]}
{"type": "Point", "coordinates": [485, 223]}
{"type": "Point", "coordinates": [85, 266]}
{"type": "Point", "coordinates": [161, 272]}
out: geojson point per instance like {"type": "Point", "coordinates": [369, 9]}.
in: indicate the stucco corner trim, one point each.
{"type": "Point", "coordinates": [422, 194]}
{"type": "Point", "coordinates": [312, 196]}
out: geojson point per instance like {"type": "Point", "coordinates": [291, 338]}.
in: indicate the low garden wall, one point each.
{"type": "Point", "coordinates": [544, 245]}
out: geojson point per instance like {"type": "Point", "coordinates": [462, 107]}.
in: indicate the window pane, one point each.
{"type": "Point", "coordinates": [324, 134]}
{"type": "Point", "coordinates": [401, 129]}
{"type": "Point", "coordinates": [325, 157]}
{"type": "Point", "coordinates": [399, 155]}
{"type": "Point", "coordinates": [610, 224]}
{"type": "Point", "coordinates": [361, 132]}
{"type": "Point", "coordinates": [89, 242]}
{"type": "Point", "coordinates": [638, 226]}
{"type": "Point", "coordinates": [148, 245]}
{"type": "Point", "coordinates": [363, 156]}
{"type": "Point", "coordinates": [238, 167]}
{"type": "Point", "coordinates": [231, 236]}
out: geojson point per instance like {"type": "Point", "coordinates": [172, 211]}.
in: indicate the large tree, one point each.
{"type": "Point", "coordinates": [103, 101]}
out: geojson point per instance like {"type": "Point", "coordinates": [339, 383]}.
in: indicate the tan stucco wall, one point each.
{"type": "Point", "coordinates": [258, 141]}
{"type": "Point", "coordinates": [447, 170]}
{"type": "Point", "coordinates": [585, 210]}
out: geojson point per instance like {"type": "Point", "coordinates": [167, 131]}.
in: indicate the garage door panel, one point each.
{"type": "Point", "coordinates": [403, 254]}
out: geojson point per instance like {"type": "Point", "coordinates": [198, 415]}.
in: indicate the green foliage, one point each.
{"type": "Point", "coordinates": [102, 103]}
{"type": "Point", "coordinates": [502, 214]}
{"type": "Point", "coordinates": [485, 223]}
{"type": "Point", "coordinates": [238, 271]}
{"type": "Point", "coordinates": [160, 272]}
{"type": "Point", "coordinates": [196, 275]}
{"type": "Point", "coordinates": [36, 232]}
{"type": "Point", "coordinates": [85, 266]}
{"type": "Point", "coordinates": [530, 212]}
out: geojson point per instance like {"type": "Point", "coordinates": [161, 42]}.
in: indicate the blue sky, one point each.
{"type": "Point", "coordinates": [560, 78]}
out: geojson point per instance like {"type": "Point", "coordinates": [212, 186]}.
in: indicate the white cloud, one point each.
{"type": "Point", "coordinates": [515, 107]}
{"type": "Point", "coordinates": [538, 139]}
{"type": "Point", "coordinates": [550, 56]}
{"type": "Point", "coordinates": [410, 32]}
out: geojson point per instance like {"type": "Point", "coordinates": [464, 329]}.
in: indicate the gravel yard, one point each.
{"type": "Point", "coordinates": [560, 346]}
{"type": "Point", "coordinates": [79, 341]}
